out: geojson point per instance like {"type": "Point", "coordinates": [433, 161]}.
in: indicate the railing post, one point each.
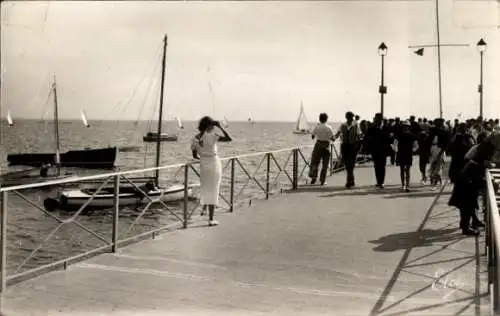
{"type": "Point", "coordinates": [3, 241]}
{"type": "Point", "coordinates": [496, 302]}
{"type": "Point", "coordinates": [488, 246]}
{"type": "Point", "coordinates": [116, 212]}
{"type": "Point", "coordinates": [295, 167]}
{"type": "Point", "coordinates": [185, 210]}
{"type": "Point", "coordinates": [268, 171]}
{"type": "Point", "coordinates": [231, 194]}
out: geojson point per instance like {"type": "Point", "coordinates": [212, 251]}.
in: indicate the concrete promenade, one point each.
{"type": "Point", "coordinates": [315, 251]}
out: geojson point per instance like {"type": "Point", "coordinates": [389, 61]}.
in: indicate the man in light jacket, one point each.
{"type": "Point", "coordinates": [323, 134]}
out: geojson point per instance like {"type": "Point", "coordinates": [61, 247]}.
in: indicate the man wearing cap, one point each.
{"type": "Point", "coordinates": [350, 134]}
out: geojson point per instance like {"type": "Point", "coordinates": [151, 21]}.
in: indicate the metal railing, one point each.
{"type": "Point", "coordinates": [117, 216]}
{"type": "Point", "coordinates": [492, 200]}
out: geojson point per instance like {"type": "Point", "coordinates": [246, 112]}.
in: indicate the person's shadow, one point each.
{"type": "Point", "coordinates": [408, 240]}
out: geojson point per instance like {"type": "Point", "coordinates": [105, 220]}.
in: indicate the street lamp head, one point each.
{"type": "Point", "coordinates": [481, 45]}
{"type": "Point", "coordinates": [382, 49]}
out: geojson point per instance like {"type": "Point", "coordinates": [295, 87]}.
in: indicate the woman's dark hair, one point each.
{"type": "Point", "coordinates": [205, 123]}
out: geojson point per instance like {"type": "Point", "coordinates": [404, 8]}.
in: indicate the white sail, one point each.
{"type": "Point", "coordinates": [84, 119]}
{"type": "Point", "coordinates": [225, 122]}
{"type": "Point", "coordinates": [250, 119]}
{"type": "Point", "coordinates": [302, 124]}
{"type": "Point", "coordinates": [179, 123]}
{"type": "Point", "coordinates": [9, 119]}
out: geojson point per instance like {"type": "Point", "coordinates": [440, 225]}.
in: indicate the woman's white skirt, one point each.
{"type": "Point", "coordinates": [210, 178]}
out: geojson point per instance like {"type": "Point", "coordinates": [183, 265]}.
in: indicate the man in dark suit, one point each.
{"type": "Point", "coordinates": [377, 141]}
{"type": "Point", "coordinates": [414, 126]}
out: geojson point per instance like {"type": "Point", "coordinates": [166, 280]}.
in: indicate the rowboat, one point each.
{"type": "Point", "coordinates": [70, 200]}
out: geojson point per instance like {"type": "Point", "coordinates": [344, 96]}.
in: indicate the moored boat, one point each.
{"type": "Point", "coordinates": [102, 158]}
{"type": "Point", "coordinates": [70, 200]}
{"type": "Point", "coordinates": [128, 195]}
{"type": "Point", "coordinates": [99, 158]}
{"type": "Point", "coordinates": [164, 137]}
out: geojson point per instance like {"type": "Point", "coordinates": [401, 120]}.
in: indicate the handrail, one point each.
{"type": "Point", "coordinates": [266, 152]}
{"type": "Point", "coordinates": [493, 239]}
{"type": "Point", "coordinates": [266, 185]}
{"type": "Point", "coordinates": [73, 179]}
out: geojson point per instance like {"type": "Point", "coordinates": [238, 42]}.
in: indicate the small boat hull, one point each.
{"type": "Point", "coordinates": [302, 132]}
{"type": "Point", "coordinates": [129, 149]}
{"type": "Point", "coordinates": [163, 138]}
{"type": "Point", "coordinates": [73, 199]}
{"type": "Point", "coordinates": [100, 158]}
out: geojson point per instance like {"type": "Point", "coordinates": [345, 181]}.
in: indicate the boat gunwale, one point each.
{"type": "Point", "coordinates": [83, 195]}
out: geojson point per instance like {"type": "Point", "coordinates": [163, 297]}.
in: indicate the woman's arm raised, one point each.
{"type": "Point", "coordinates": [226, 137]}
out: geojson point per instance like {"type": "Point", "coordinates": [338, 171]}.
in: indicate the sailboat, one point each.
{"type": "Point", "coordinates": [84, 119]}
{"type": "Point", "coordinates": [164, 137]}
{"type": "Point", "coordinates": [225, 122]}
{"type": "Point", "coordinates": [128, 195]}
{"type": "Point", "coordinates": [179, 123]}
{"type": "Point", "coordinates": [250, 119]}
{"type": "Point", "coordinates": [9, 119]}
{"type": "Point", "coordinates": [101, 158]}
{"type": "Point", "coordinates": [302, 126]}
{"type": "Point", "coordinates": [29, 176]}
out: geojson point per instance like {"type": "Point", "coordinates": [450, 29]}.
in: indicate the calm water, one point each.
{"type": "Point", "coordinates": [29, 227]}
{"type": "Point", "coordinates": [37, 136]}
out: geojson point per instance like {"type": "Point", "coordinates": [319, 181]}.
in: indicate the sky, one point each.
{"type": "Point", "coordinates": [241, 59]}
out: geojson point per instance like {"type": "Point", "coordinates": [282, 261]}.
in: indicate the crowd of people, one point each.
{"type": "Point", "coordinates": [472, 146]}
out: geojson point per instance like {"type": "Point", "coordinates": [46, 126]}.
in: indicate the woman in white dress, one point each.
{"type": "Point", "coordinates": [204, 148]}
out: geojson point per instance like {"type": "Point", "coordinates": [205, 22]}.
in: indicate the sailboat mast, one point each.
{"type": "Point", "coordinates": [160, 115]}
{"type": "Point", "coordinates": [439, 61]}
{"type": "Point", "coordinates": [56, 128]}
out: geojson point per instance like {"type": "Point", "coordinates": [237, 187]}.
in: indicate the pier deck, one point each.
{"type": "Point", "coordinates": [314, 251]}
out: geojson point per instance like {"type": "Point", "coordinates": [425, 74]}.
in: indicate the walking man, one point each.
{"type": "Point", "coordinates": [378, 140]}
{"type": "Point", "coordinates": [406, 144]}
{"type": "Point", "coordinates": [350, 134]}
{"type": "Point", "coordinates": [321, 152]}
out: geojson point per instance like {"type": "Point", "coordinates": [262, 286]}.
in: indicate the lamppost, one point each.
{"type": "Point", "coordinates": [481, 46]}
{"type": "Point", "coordinates": [382, 51]}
